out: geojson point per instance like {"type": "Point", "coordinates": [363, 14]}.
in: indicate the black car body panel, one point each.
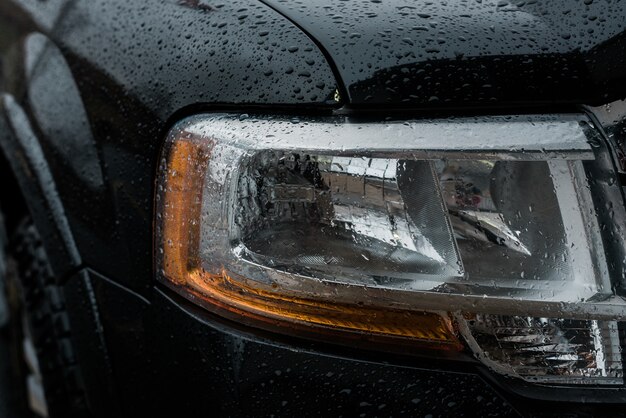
{"type": "Point", "coordinates": [120, 71]}
{"type": "Point", "coordinates": [90, 88]}
{"type": "Point", "coordinates": [470, 53]}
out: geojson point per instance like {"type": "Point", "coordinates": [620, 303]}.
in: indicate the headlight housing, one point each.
{"type": "Point", "coordinates": [481, 234]}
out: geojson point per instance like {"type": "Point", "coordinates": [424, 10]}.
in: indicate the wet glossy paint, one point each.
{"type": "Point", "coordinates": [459, 53]}
{"type": "Point", "coordinates": [101, 81]}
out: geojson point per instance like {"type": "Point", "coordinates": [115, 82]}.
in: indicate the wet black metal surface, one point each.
{"type": "Point", "coordinates": [469, 53]}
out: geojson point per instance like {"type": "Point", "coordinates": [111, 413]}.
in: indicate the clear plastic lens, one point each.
{"type": "Point", "coordinates": [513, 229]}
{"type": "Point", "coordinates": [276, 222]}
{"type": "Point", "coordinates": [435, 225]}
{"type": "Point", "coordinates": [359, 220]}
{"type": "Point", "coordinates": [549, 350]}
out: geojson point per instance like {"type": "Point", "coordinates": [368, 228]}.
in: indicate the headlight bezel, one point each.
{"type": "Point", "coordinates": [570, 128]}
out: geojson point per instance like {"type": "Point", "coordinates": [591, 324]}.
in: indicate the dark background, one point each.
{"type": "Point", "coordinates": [12, 394]}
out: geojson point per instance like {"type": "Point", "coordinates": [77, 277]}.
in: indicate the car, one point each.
{"type": "Point", "coordinates": [286, 208]}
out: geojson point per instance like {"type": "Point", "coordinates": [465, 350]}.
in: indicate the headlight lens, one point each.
{"type": "Point", "coordinates": [480, 231]}
{"type": "Point", "coordinates": [349, 220]}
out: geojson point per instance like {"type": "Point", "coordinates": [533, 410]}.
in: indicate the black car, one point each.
{"type": "Point", "coordinates": [314, 208]}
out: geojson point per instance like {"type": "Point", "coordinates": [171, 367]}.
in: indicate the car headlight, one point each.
{"type": "Point", "coordinates": [479, 234]}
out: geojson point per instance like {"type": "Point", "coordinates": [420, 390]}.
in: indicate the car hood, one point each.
{"type": "Point", "coordinates": [469, 53]}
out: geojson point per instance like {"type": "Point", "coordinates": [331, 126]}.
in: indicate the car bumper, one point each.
{"type": "Point", "coordinates": [167, 356]}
